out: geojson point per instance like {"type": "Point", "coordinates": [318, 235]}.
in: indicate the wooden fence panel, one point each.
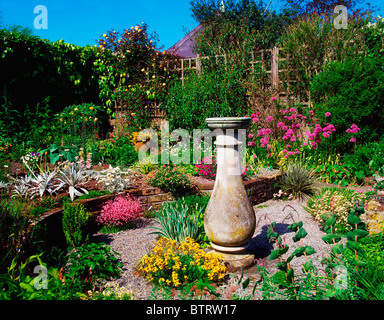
{"type": "Point", "coordinates": [272, 62]}
{"type": "Point", "coordinates": [269, 64]}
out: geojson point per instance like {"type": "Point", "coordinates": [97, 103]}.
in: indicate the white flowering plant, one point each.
{"type": "Point", "coordinates": [114, 179]}
{"type": "Point", "coordinates": [338, 201]}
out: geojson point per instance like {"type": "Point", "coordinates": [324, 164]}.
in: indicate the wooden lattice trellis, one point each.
{"type": "Point", "coordinates": [272, 63]}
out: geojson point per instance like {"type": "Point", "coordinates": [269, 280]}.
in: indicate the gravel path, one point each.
{"type": "Point", "coordinates": [133, 244]}
{"type": "Point", "coordinates": [285, 213]}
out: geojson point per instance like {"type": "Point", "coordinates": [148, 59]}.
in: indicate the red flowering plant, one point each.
{"type": "Point", "coordinates": [120, 213]}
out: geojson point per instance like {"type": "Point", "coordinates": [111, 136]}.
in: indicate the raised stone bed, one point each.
{"type": "Point", "coordinates": [150, 198]}
{"type": "Point", "coordinates": [258, 190]}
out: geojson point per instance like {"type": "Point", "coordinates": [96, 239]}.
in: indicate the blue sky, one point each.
{"type": "Point", "coordinates": [80, 22]}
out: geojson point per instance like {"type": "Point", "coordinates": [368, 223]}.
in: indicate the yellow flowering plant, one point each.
{"type": "Point", "coordinates": [175, 264]}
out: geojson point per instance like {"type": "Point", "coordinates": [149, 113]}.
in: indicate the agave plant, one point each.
{"type": "Point", "coordinates": [45, 182]}
{"type": "Point", "coordinates": [73, 176]}
{"type": "Point", "coordinates": [176, 223]}
{"type": "Point", "coordinates": [298, 181]}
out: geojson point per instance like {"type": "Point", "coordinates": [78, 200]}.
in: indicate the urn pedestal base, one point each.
{"type": "Point", "coordinates": [236, 262]}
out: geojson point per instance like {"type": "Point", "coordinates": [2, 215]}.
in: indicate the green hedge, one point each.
{"type": "Point", "coordinates": [44, 77]}
{"type": "Point", "coordinates": [353, 92]}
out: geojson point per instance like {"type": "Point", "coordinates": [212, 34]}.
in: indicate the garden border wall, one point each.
{"type": "Point", "coordinates": [259, 190]}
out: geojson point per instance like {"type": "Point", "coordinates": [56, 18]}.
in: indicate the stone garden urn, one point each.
{"type": "Point", "coordinates": [229, 219]}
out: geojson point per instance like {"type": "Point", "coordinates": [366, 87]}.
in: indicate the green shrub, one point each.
{"type": "Point", "coordinates": [93, 194]}
{"type": "Point", "coordinates": [124, 153]}
{"type": "Point", "coordinates": [38, 211]}
{"type": "Point", "coordinates": [172, 179]}
{"type": "Point", "coordinates": [352, 92]}
{"type": "Point", "coordinates": [194, 201]}
{"type": "Point", "coordinates": [367, 157]}
{"type": "Point", "coordinates": [210, 94]}
{"type": "Point", "coordinates": [75, 224]}
{"type": "Point", "coordinates": [118, 152]}
{"type": "Point", "coordinates": [93, 263]}
{"type": "Point", "coordinates": [373, 247]}
{"type": "Point", "coordinates": [323, 43]}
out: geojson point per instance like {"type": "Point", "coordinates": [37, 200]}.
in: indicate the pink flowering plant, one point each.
{"type": "Point", "coordinates": [353, 129]}
{"type": "Point", "coordinates": [285, 133]}
{"type": "Point", "coordinates": [120, 213]}
{"type": "Point", "coordinates": [207, 168]}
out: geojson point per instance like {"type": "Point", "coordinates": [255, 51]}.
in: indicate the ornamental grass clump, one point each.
{"type": "Point", "coordinates": [177, 223]}
{"type": "Point", "coordinates": [298, 181]}
{"type": "Point", "coordinates": [120, 213]}
{"type": "Point", "coordinates": [175, 264]}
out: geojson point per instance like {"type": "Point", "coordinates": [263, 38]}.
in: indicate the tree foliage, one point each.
{"type": "Point", "coordinates": [312, 41]}
{"type": "Point", "coordinates": [326, 7]}
{"type": "Point", "coordinates": [238, 26]}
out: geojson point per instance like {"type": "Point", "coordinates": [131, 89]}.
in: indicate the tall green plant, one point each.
{"type": "Point", "coordinates": [215, 93]}
{"type": "Point", "coordinates": [236, 26]}
{"type": "Point", "coordinates": [359, 90]}
{"type": "Point", "coordinates": [312, 41]}
{"type": "Point", "coordinates": [75, 224]}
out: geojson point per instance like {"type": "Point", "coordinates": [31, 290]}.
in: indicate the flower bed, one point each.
{"type": "Point", "coordinates": [259, 190]}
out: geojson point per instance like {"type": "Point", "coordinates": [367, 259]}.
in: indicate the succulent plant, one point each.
{"type": "Point", "coordinates": [21, 187]}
